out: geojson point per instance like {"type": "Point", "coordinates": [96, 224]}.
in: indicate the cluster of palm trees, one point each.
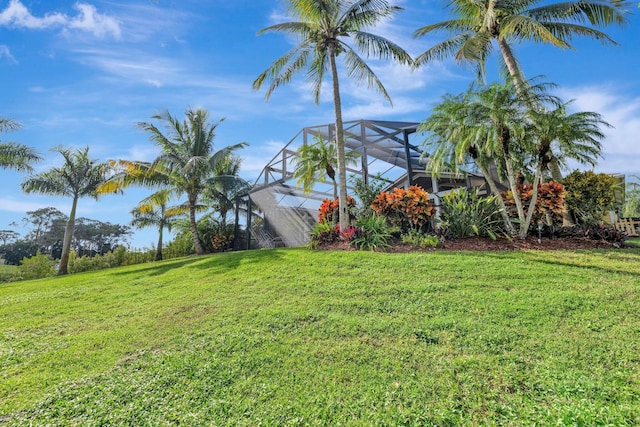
{"type": "Point", "coordinates": [325, 27]}
{"type": "Point", "coordinates": [188, 165]}
{"type": "Point", "coordinates": [514, 128]}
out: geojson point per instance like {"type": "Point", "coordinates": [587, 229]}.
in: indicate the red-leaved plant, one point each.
{"type": "Point", "coordinates": [549, 206]}
{"type": "Point", "coordinates": [408, 209]}
{"type": "Point", "coordinates": [330, 212]}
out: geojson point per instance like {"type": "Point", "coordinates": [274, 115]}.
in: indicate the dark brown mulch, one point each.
{"type": "Point", "coordinates": [501, 244]}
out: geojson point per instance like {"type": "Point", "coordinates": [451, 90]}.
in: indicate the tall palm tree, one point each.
{"type": "Point", "coordinates": [13, 155]}
{"type": "Point", "coordinates": [152, 211]}
{"type": "Point", "coordinates": [317, 161]}
{"type": "Point", "coordinates": [476, 24]}
{"type": "Point", "coordinates": [79, 176]}
{"type": "Point", "coordinates": [187, 158]}
{"type": "Point", "coordinates": [323, 29]}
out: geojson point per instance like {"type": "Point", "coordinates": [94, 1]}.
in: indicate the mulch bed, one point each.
{"type": "Point", "coordinates": [486, 244]}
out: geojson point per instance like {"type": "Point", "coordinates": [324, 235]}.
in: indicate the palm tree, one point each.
{"type": "Point", "coordinates": [13, 155]}
{"type": "Point", "coordinates": [476, 24]}
{"type": "Point", "coordinates": [78, 177]}
{"type": "Point", "coordinates": [153, 211]}
{"type": "Point", "coordinates": [187, 160]}
{"type": "Point", "coordinates": [323, 29]}
{"type": "Point", "coordinates": [225, 188]}
{"type": "Point", "coordinates": [317, 161]}
{"type": "Point", "coordinates": [495, 124]}
{"type": "Point", "coordinates": [574, 136]}
{"type": "Point", "coordinates": [454, 141]}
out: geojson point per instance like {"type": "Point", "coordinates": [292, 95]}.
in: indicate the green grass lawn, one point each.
{"type": "Point", "coordinates": [294, 337]}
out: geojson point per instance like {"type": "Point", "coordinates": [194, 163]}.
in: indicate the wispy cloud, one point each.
{"type": "Point", "coordinates": [19, 206]}
{"type": "Point", "coordinates": [87, 19]}
{"type": "Point", "coordinates": [6, 53]}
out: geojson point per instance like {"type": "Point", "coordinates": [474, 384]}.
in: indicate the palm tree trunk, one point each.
{"type": "Point", "coordinates": [66, 241]}
{"type": "Point", "coordinates": [532, 204]}
{"type": "Point", "coordinates": [159, 246]}
{"type": "Point", "coordinates": [494, 189]}
{"type": "Point", "coordinates": [335, 188]}
{"type": "Point", "coordinates": [342, 167]}
{"type": "Point", "coordinates": [194, 226]}
{"type": "Point", "coordinates": [512, 65]}
{"type": "Point", "coordinates": [513, 185]}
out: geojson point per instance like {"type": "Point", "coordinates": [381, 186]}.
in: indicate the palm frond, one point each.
{"type": "Point", "coordinates": [358, 70]}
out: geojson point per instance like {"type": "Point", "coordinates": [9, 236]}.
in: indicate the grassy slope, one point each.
{"type": "Point", "coordinates": [292, 337]}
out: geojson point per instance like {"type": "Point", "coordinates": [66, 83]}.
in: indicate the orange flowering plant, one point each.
{"type": "Point", "coordinates": [408, 209]}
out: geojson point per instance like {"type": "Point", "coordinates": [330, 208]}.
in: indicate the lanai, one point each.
{"type": "Point", "coordinates": [386, 148]}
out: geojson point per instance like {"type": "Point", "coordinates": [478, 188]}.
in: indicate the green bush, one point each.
{"type": "Point", "coordinates": [373, 233]}
{"type": "Point", "coordinates": [36, 267]}
{"type": "Point", "coordinates": [465, 213]}
{"type": "Point", "coordinates": [590, 196]}
{"type": "Point", "coordinates": [366, 193]}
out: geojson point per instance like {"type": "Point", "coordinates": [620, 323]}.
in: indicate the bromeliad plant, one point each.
{"type": "Point", "coordinates": [408, 209]}
{"type": "Point", "coordinates": [466, 213]}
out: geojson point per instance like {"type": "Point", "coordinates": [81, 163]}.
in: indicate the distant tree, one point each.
{"type": "Point", "coordinates": [153, 211]}
{"type": "Point", "coordinates": [8, 235]}
{"type": "Point", "coordinates": [324, 30]}
{"type": "Point", "coordinates": [46, 227]}
{"type": "Point", "coordinates": [16, 251]}
{"type": "Point", "coordinates": [79, 176]}
{"type": "Point", "coordinates": [13, 155]}
{"type": "Point", "coordinates": [93, 237]}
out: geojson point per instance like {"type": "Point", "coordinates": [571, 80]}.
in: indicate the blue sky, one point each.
{"type": "Point", "coordinates": [84, 73]}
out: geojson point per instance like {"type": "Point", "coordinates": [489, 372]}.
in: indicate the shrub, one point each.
{"type": "Point", "coordinates": [589, 195]}
{"type": "Point", "coordinates": [420, 240]}
{"type": "Point", "coordinates": [549, 205]}
{"type": "Point", "coordinates": [36, 267]}
{"type": "Point", "coordinates": [408, 209]}
{"type": "Point", "coordinates": [330, 210]}
{"type": "Point", "coordinates": [464, 213]}
{"type": "Point", "coordinates": [323, 233]}
{"type": "Point", "coordinates": [373, 233]}
{"type": "Point", "coordinates": [366, 192]}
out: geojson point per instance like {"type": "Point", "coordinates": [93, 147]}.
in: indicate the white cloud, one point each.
{"type": "Point", "coordinates": [5, 52]}
{"type": "Point", "coordinates": [88, 20]}
{"type": "Point", "coordinates": [91, 21]}
{"type": "Point", "coordinates": [621, 147]}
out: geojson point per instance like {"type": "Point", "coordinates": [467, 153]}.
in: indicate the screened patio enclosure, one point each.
{"type": "Point", "coordinates": [387, 149]}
